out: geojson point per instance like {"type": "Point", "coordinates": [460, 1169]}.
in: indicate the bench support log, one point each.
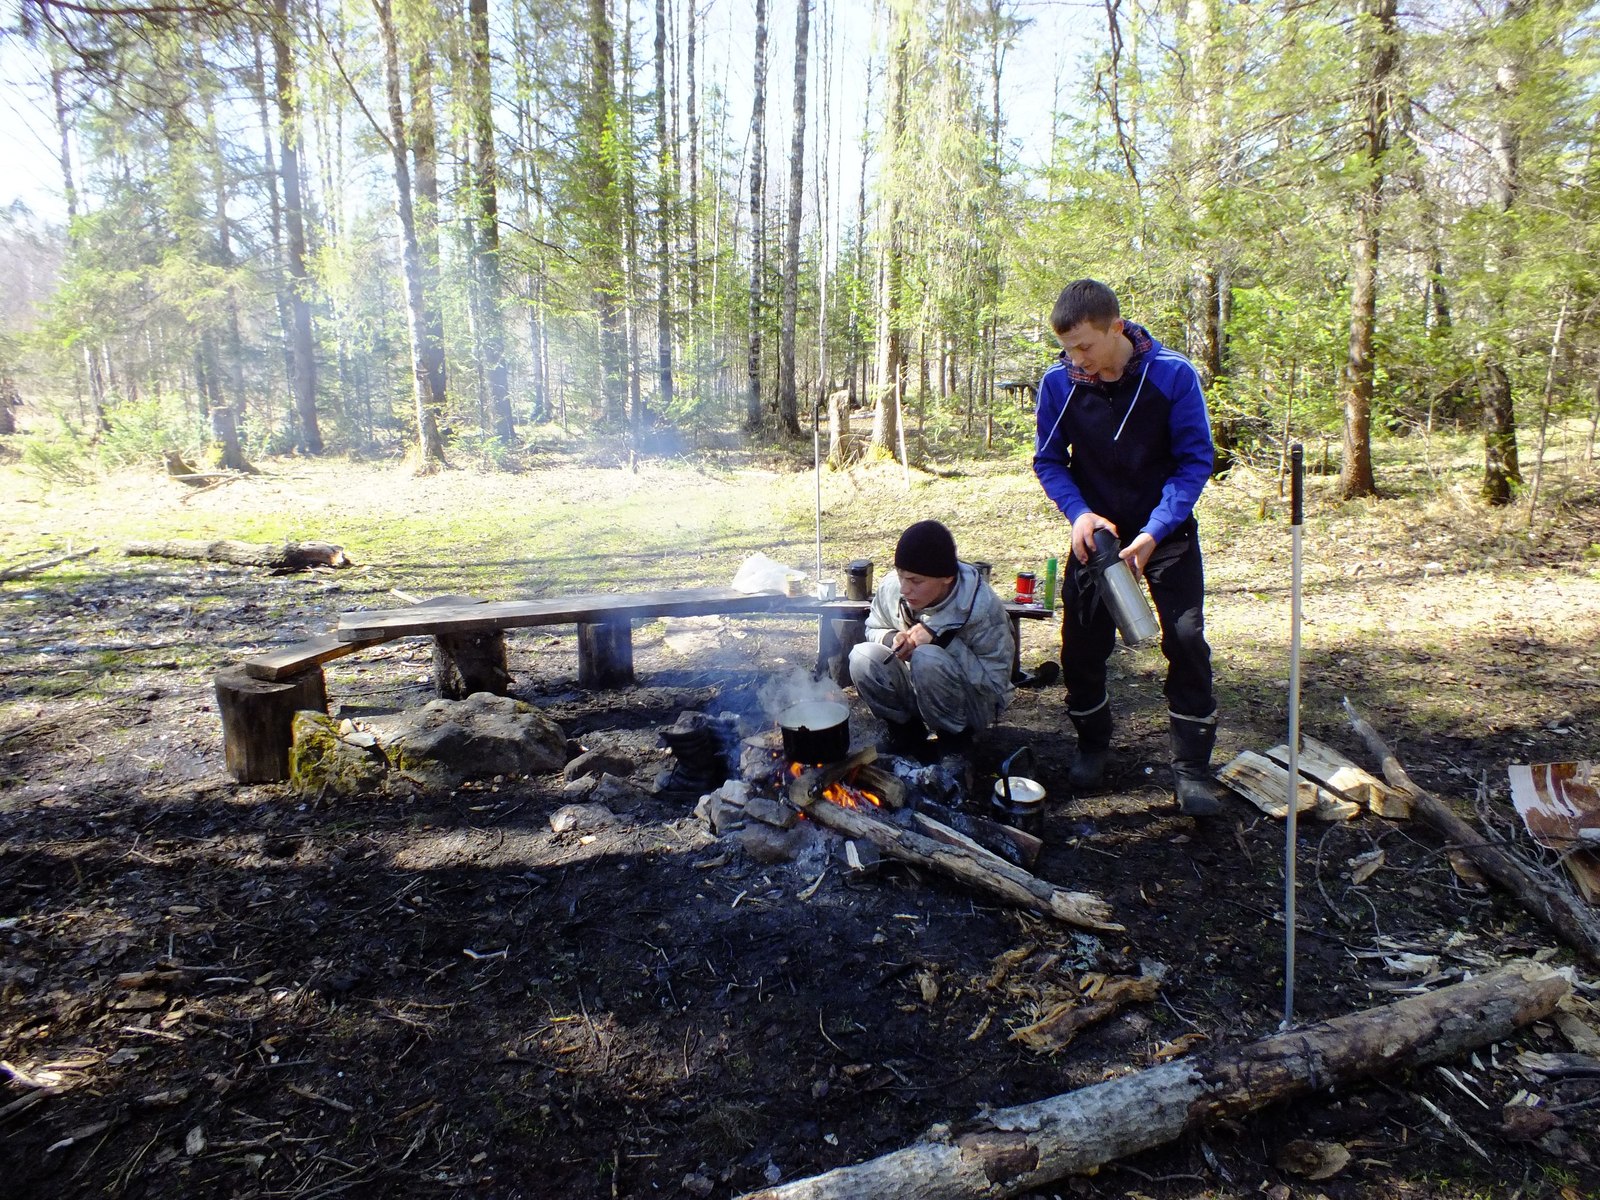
{"type": "Point", "coordinates": [605, 653]}
{"type": "Point", "coordinates": [1013, 1151]}
{"type": "Point", "coordinates": [464, 663]}
{"type": "Point", "coordinates": [258, 718]}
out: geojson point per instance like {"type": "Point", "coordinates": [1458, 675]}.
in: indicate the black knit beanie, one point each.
{"type": "Point", "coordinates": [927, 548]}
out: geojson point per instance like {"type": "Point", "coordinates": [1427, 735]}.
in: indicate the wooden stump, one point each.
{"type": "Point", "coordinates": [464, 663]}
{"type": "Point", "coordinates": [257, 720]}
{"type": "Point", "coordinates": [605, 654]}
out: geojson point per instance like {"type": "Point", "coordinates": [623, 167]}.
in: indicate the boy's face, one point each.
{"type": "Point", "coordinates": [1100, 351]}
{"type": "Point", "coordinates": [920, 591]}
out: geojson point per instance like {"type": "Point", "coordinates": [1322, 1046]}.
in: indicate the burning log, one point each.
{"type": "Point", "coordinates": [1545, 897]}
{"type": "Point", "coordinates": [1012, 1151]}
{"type": "Point", "coordinates": [979, 869]}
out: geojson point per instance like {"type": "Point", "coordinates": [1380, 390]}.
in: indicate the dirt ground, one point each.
{"type": "Point", "coordinates": [215, 990]}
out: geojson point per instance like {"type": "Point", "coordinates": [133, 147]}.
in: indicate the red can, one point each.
{"type": "Point", "coordinates": [1027, 581]}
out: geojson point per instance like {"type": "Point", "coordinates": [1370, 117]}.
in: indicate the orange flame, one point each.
{"type": "Point", "coordinates": [840, 792]}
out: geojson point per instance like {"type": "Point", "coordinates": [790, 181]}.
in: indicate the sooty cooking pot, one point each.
{"type": "Point", "coordinates": [817, 731]}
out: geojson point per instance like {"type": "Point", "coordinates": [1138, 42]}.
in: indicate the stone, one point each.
{"type": "Point", "coordinates": [723, 809]}
{"type": "Point", "coordinates": [322, 761]}
{"type": "Point", "coordinates": [766, 844]}
{"type": "Point", "coordinates": [612, 790]}
{"type": "Point", "coordinates": [446, 742]}
{"type": "Point", "coordinates": [599, 761]}
{"type": "Point", "coordinates": [571, 817]}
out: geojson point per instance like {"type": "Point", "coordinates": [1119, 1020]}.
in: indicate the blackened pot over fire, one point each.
{"type": "Point", "coordinates": [817, 731]}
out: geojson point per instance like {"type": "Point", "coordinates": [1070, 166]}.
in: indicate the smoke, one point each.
{"type": "Point", "coordinates": [799, 686]}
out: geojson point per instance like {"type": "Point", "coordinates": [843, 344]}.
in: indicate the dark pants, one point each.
{"type": "Point", "coordinates": [1088, 634]}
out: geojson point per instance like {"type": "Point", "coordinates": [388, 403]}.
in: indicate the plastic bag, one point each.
{"type": "Point", "coordinates": [758, 573]}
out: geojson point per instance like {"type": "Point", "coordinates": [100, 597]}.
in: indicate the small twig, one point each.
{"type": "Point", "coordinates": [1449, 1123]}
{"type": "Point", "coordinates": [308, 1094]}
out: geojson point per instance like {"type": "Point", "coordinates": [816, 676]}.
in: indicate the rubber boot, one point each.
{"type": "Point", "coordinates": [1197, 791]}
{"type": "Point", "coordinates": [1088, 771]}
{"type": "Point", "coordinates": [905, 738]}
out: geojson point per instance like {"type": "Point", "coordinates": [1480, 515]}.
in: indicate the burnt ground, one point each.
{"type": "Point", "coordinates": [233, 991]}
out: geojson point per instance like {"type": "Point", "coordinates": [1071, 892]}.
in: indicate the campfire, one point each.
{"type": "Point", "coordinates": [859, 809]}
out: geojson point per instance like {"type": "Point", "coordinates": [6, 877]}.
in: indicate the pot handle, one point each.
{"type": "Point", "coordinates": [1005, 769]}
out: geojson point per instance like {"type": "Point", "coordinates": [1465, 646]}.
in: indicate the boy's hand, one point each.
{"type": "Point", "coordinates": [908, 640]}
{"type": "Point", "coordinates": [1083, 534]}
{"type": "Point", "coordinates": [1137, 552]}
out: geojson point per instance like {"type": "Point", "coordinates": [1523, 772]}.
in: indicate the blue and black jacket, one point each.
{"type": "Point", "coordinates": [1137, 451]}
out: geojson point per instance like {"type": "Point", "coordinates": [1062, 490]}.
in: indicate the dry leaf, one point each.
{"type": "Point", "coordinates": [1179, 1046]}
{"type": "Point", "coordinates": [1466, 870]}
{"type": "Point", "coordinates": [1313, 1160]}
{"type": "Point", "coordinates": [929, 986]}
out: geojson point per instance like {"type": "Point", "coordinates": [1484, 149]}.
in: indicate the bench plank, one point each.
{"type": "Point", "coordinates": [313, 652]}
{"type": "Point", "coordinates": [599, 608]}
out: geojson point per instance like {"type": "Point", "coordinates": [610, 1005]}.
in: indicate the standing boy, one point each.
{"type": "Point", "coordinates": [1124, 444]}
{"type": "Point", "coordinates": [939, 648]}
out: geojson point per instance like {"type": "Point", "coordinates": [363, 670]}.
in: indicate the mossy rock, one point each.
{"type": "Point", "coordinates": [322, 760]}
{"type": "Point", "coordinates": [448, 741]}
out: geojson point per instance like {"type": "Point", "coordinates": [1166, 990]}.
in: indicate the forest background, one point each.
{"type": "Point", "coordinates": [385, 227]}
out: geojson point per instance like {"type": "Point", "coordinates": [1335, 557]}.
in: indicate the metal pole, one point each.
{"type": "Point", "coordinates": [1296, 518]}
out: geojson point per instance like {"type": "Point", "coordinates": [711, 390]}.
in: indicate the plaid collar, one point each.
{"type": "Point", "coordinates": [1143, 343]}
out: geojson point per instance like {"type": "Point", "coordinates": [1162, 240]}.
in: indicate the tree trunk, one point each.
{"type": "Point", "coordinates": [664, 159]}
{"type": "Point", "coordinates": [1013, 1151]}
{"type": "Point", "coordinates": [1500, 470]}
{"type": "Point", "coordinates": [1378, 39]}
{"type": "Point", "coordinates": [1499, 411]}
{"type": "Point", "coordinates": [486, 220]}
{"type": "Point", "coordinates": [302, 348]}
{"type": "Point", "coordinates": [427, 389]}
{"type": "Point", "coordinates": [425, 216]}
{"type": "Point", "coordinates": [758, 224]}
{"type": "Point", "coordinates": [886, 431]}
{"type": "Point", "coordinates": [692, 34]}
{"type": "Point", "coordinates": [788, 404]}
{"type": "Point", "coordinates": [606, 252]}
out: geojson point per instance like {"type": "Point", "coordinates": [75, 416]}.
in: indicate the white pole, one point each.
{"type": "Point", "coordinates": [1296, 520]}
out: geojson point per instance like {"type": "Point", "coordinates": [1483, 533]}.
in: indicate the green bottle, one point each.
{"type": "Point", "coordinates": [1051, 566]}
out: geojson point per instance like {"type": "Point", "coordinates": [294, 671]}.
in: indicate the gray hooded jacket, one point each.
{"type": "Point", "coordinates": [970, 623]}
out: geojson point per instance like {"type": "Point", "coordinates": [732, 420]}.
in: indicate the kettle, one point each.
{"type": "Point", "coordinates": [1121, 591]}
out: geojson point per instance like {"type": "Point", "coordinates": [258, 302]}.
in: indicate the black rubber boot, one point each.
{"type": "Point", "coordinates": [1088, 771]}
{"type": "Point", "coordinates": [1197, 791]}
{"type": "Point", "coordinates": [906, 738]}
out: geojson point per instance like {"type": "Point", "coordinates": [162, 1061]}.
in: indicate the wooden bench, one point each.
{"type": "Point", "coordinates": [605, 622]}
{"type": "Point", "coordinates": [258, 698]}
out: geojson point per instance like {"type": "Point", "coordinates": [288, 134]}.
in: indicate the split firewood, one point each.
{"type": "Point", "coordinates": [1013, 1151]}
{"type": "Point", "coordinates": [289, 556]}
{"type": "Point", "coordinates": [1265, 784]}
{"type": "Point", "coordinates": [1543, 895]}
{"type": "Point", "coordinates": [987, 872]}
{"type": "Point", "coordinates": [1324, 765]}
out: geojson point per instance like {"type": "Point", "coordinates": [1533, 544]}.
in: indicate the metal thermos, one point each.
{"type": "Point", "coordinates": [1051, 566]}
{"type": "Point", "coordinates": [1121, 590]}
{"type": "Point", "coordinates": [858, 579]}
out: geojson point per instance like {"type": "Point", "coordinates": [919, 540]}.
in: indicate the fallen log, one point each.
{"type": "Point", "coordinates": [1011, 1151]}
{"type": "Point", "coordinates": [44, 564]}
{"type": "Point", "coordinates": [980, 869]}
{"type": "Point", "coordinates": [289, 556]}
{"type": "Point", "coordinates": [1546, 897]}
